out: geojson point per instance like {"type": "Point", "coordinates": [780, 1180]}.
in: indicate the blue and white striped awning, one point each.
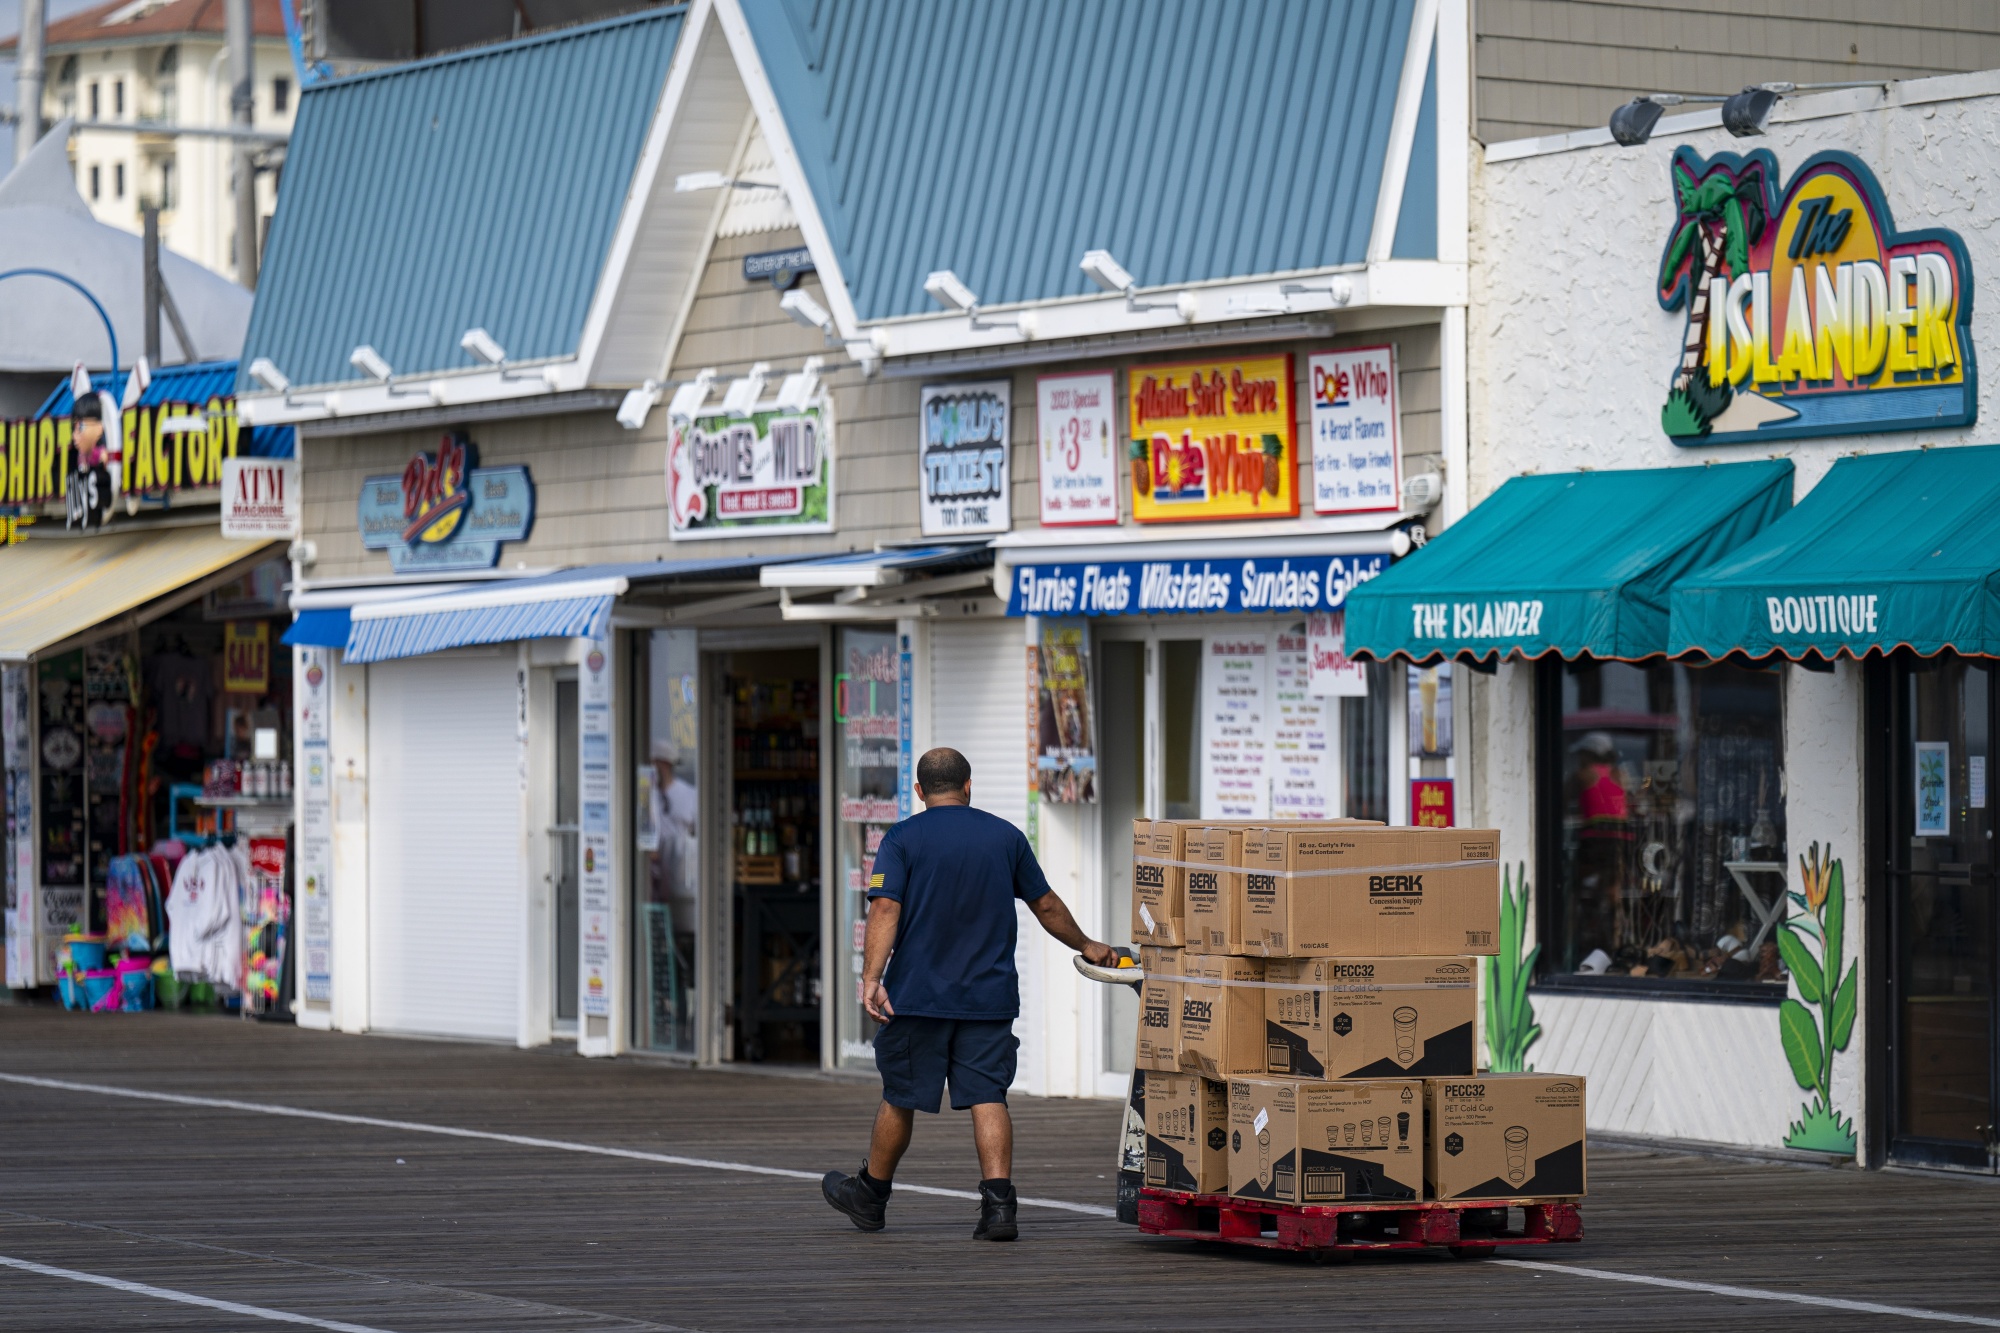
{"type": "Point", "coordinates": [530, 609]}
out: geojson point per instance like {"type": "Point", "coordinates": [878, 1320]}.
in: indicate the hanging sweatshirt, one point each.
{"type": "Point", "coordinates": [205, 917]}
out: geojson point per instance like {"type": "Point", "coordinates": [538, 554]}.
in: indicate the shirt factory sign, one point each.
{"type": "Point", "coordinates": [1808, 312]}
{"type": "Point", "coordinates": [446, 512]}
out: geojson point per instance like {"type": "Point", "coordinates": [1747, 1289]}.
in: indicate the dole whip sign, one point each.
{"type": "Point", "coordinates": [1810, 314]}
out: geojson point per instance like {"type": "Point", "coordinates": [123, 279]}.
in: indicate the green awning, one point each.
{"type": "Point", "coordinates": [1574, 563]}
{"type": "Point", "coordinates": [1889, 551]}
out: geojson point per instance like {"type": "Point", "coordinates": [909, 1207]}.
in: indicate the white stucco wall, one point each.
{"type": "Point", "coordinates": [1570, 359]}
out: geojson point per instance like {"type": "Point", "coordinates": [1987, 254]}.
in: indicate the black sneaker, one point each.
{"type": "Point", "coordinates": [996, 1214]}
{"type": "Point", "coordinates": [863, 1206]}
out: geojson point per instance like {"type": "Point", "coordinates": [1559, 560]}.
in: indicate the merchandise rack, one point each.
{"type": "Point", "coordinates": [1468, 1229]}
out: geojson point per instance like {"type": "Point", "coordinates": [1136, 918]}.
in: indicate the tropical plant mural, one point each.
{"type": "Point", "coordinates": [1820, 1022]}
{"type": "Point", "coordinates": [1510, 1018]}
{"type": "Point", "coordinates": [1720, 213]}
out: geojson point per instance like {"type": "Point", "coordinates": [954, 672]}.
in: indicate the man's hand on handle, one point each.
{"type": "Point", "coordinates": [1053, 913]}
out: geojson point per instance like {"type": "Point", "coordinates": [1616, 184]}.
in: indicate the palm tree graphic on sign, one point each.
{"type": "Point", "coordinates": [1722, 206]}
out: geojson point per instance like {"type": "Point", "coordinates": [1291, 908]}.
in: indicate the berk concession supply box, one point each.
{"type": "Point", "coordinates": [1371, 892]}
{"type": "Point", "coordinates": [1159, 880]}
{"type": "Point", "coordinates": [1369, 1017]}
{"type": "Point", "coordinates": [1504, 1136]}
{"type": "Point", "coordinates": [1222, 1015]}
{"type": "Point", "coordinates": [1214, 922]}
{"type": "Point", "coordinates": [1159, 1009]}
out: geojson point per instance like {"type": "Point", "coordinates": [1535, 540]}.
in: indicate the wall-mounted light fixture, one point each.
{"type": "Point", "coordinates": [1744, 114]}
{"type": "Point", "coordinates": [482, 347]}
{"type": "Point", "coordinates": [944, 287]}
{"type": "Point", "coordinates": [1111, 276]}
{"type": "Point", "coordinates": [795, 393]}
{"type": "Point", "coordinates": [370, 363]}
{"type": "Point", "coordinates": [740, 398]}
{"type": "Point", "coordinates": [800, 305]}
{"type": "Point", "coordinates": [689, 399]}
{"type": "Point", "coordinates": [638, 404]}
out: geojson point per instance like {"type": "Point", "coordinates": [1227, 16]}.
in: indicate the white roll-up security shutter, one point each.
{"type": "Point", "coordinates": [979, 707]}
{"type": "Point", "coordinates": [444, 873]}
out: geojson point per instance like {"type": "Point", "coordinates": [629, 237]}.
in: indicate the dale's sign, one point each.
{"type": "Point", "coordinates": [1809, 313]}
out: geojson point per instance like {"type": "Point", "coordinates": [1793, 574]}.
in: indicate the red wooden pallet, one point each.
{"type": "Point", "coordinates": [1470, 1230]}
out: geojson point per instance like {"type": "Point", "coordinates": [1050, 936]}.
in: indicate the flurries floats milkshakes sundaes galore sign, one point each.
{"type": "Point", "coordinates": [1810, 314]}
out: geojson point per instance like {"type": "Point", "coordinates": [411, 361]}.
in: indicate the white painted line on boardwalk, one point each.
{"type": "Point", "coordinates": [1757, 1293]}
{"type": "Point", "coordinates": [519, 1140]}
{"type": "Point", "coordinates": [184, 1298]}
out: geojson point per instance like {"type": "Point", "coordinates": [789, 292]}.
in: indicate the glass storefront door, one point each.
{"type": "Point", "coordinates": [1941, 873]}
{"type": "Point", "coordinates": [866, 752]}
{"type": "Point", "coordinates": [666, 819]}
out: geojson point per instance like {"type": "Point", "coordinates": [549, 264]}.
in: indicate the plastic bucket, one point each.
{"type": "Point", "coordinates": [72, 994]}
{"type": "Point", "coordinates": [100, 989]}
{"type": "Point", "coordinates": [86, 951]}
{"type": "Point", "coordinates": [138, 990]}
{"type": "Point", "coordinates": [169, 990]}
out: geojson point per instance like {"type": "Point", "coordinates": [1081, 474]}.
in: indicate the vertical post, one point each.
{"type": "Point", "coordinates": [151, 215]}
{"type": "Point", "coordinates": [28, 77]}
{"type": "Point", "coordinates": [242, 105]}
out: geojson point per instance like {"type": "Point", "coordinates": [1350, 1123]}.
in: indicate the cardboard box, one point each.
{"type": "Point", "coordinates": [1362, 892]}
{"type": "Point", "coordinates": [1159, 1010]}
{"type": "Point", "coordinates": [1504, 1136]}
{"type": "Point", "coordinates": [1222, 1017]}
{"type": "Point", "coordinates": [1369, 1017]}
{"type": "Point", "coordinates": [1214, 922]}
{"type": "Point", "coordinates": [1322, 1143]}
{"type": "Point", "coordinates": [1187, 1133]}
{"type": "Point", "coordinates": [1159, 885]}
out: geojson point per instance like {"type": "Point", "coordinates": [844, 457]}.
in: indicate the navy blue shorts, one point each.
{"type": "Point", "coordinates": [917, 1055]}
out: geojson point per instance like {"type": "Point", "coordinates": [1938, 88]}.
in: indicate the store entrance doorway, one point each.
{"type": "Point", "coordinates": [774, 855]}
{"type": "Point", "coordinates": [563, 849]}
{"type": "Point", "coordinates": [1945, 1077]}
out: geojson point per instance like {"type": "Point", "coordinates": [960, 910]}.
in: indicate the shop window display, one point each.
{"type": "Point", "coordinates": [866, 755]}
{"type": "Point", "coordinates": [1662, 791]}
{"type": "Point", "coordinates": [667, 819]}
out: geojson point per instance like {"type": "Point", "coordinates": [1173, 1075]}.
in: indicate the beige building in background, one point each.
{"type": "Point", "coordinates": [143, 63]}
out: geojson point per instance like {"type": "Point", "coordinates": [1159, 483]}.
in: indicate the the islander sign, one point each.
{"type": "Point", "coordinates": [1810, 314]}
{"type": "Point", "coordinates": [445, 511]}
{"type": "Point", "coordinates": [767, 472]}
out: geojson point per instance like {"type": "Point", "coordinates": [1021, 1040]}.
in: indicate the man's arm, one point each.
{"type": "Point", "coordinates": [884, 915]}
{"type": "Point", "coordinates": [1053, 913]}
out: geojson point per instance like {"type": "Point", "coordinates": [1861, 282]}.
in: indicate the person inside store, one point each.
{"type": "Point", "coordinates": [675, 810]}
{"type": "Point", "coordinates": [1599, 810]}
{"type": "Point", "coordinates": [938, 974]}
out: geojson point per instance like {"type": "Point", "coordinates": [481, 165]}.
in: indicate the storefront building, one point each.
{"type": "Point", "coordinates": [1719, 614]}
{"type": "Point", "coordinates": [766, 502]}
{"type": "Point", "coordinates": [143, 713]}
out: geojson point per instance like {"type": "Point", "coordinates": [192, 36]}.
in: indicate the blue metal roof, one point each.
{"type": "Point", "coordinates": [479, 189]}
{"type": "Point", "coordinates": [193, 384]}
{"type": "Point", "coordinates": [1194, 139]}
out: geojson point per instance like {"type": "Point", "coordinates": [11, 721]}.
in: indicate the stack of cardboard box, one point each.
{"type": "Point", "coordinates": [1307, 1020]}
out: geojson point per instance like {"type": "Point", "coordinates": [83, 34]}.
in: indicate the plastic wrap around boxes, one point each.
{"type": "Point", "coordinates": [1307, 1023]}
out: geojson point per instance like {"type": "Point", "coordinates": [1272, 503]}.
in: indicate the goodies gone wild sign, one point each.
{"type": "Point", "coordinates": [1810, 314]}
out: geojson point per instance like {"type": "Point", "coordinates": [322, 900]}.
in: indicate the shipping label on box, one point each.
{"type": "Point", "coordinates": [1159, 1009]}
{"type": "Point", "coordinates": [1187, 1133]}
{"type": "Point", "coordinates": [1331, 1018]}
{"type": "Point", "coordinates": [1360, 1140]}
{"type": "Point", "coordinates": [1372, 892]}
{"type": "Point", "coordinates": [1222, 1015]}
{"type": "Point", "coordinates": [1504, 1136]}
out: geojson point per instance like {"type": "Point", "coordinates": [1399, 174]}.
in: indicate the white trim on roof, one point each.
{"type": "Point", "coordinates": [1403, 129]}
{"type": "Point", "coordinates": [523, 593]}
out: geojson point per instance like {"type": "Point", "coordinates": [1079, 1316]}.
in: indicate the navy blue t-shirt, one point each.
{"type": "Point", "coordinates": [957, 872]}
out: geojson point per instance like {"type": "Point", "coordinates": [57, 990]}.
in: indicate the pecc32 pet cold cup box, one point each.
{"type": "Point", "coordinates": [1369, 1017]}
{"type": "Point", "coordinates": [1504, 1136]}
{"type": "Point", "coordinates": [1298, 1142]}
{"type": "Point", "coordinates": [1187, 1133]}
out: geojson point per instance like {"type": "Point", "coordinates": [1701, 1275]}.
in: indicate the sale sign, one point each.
{"type": "Point", "coordinates": [1079, 449]}
{"type": "Point", "coordinates": [1356, 444]}
{"type": "Point", "coordinates": [1213, 440]}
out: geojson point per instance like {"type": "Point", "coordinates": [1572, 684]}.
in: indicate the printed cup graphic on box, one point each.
{"type": "Point", "coordinates": [1517, 1153]}
{"type": "Point", "coordinates": [1264, 1158]}
{"type": "Point", "coordinates": [1382, 1129]}
{"type": "Point", "coordinates": [1347, 1133]}
{"type": "Point", "coordinates": [1367, 1132]}
{"type": "Point", "coordinates": [1402, 1126]}
{"type": "Point", "coordinates": [1405, 1019]}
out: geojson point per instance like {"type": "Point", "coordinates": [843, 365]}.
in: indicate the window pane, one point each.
{"type": "Point", "coordinates": [1671, 812]}
{"type": "Point", "coordinates": [865, 758]}
{"type": "Point", "coordinates": [1364, 748]}
{"type": "Point", "coordinates": [1121, 763]}
{"type": "Point", "coordinates": [666, 818]}
{"type": "Point", "coordinates": [1180, 727]}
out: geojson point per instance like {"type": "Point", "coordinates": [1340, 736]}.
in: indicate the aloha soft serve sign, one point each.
{"type": "Point", "coordinates": [1809, 314]}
